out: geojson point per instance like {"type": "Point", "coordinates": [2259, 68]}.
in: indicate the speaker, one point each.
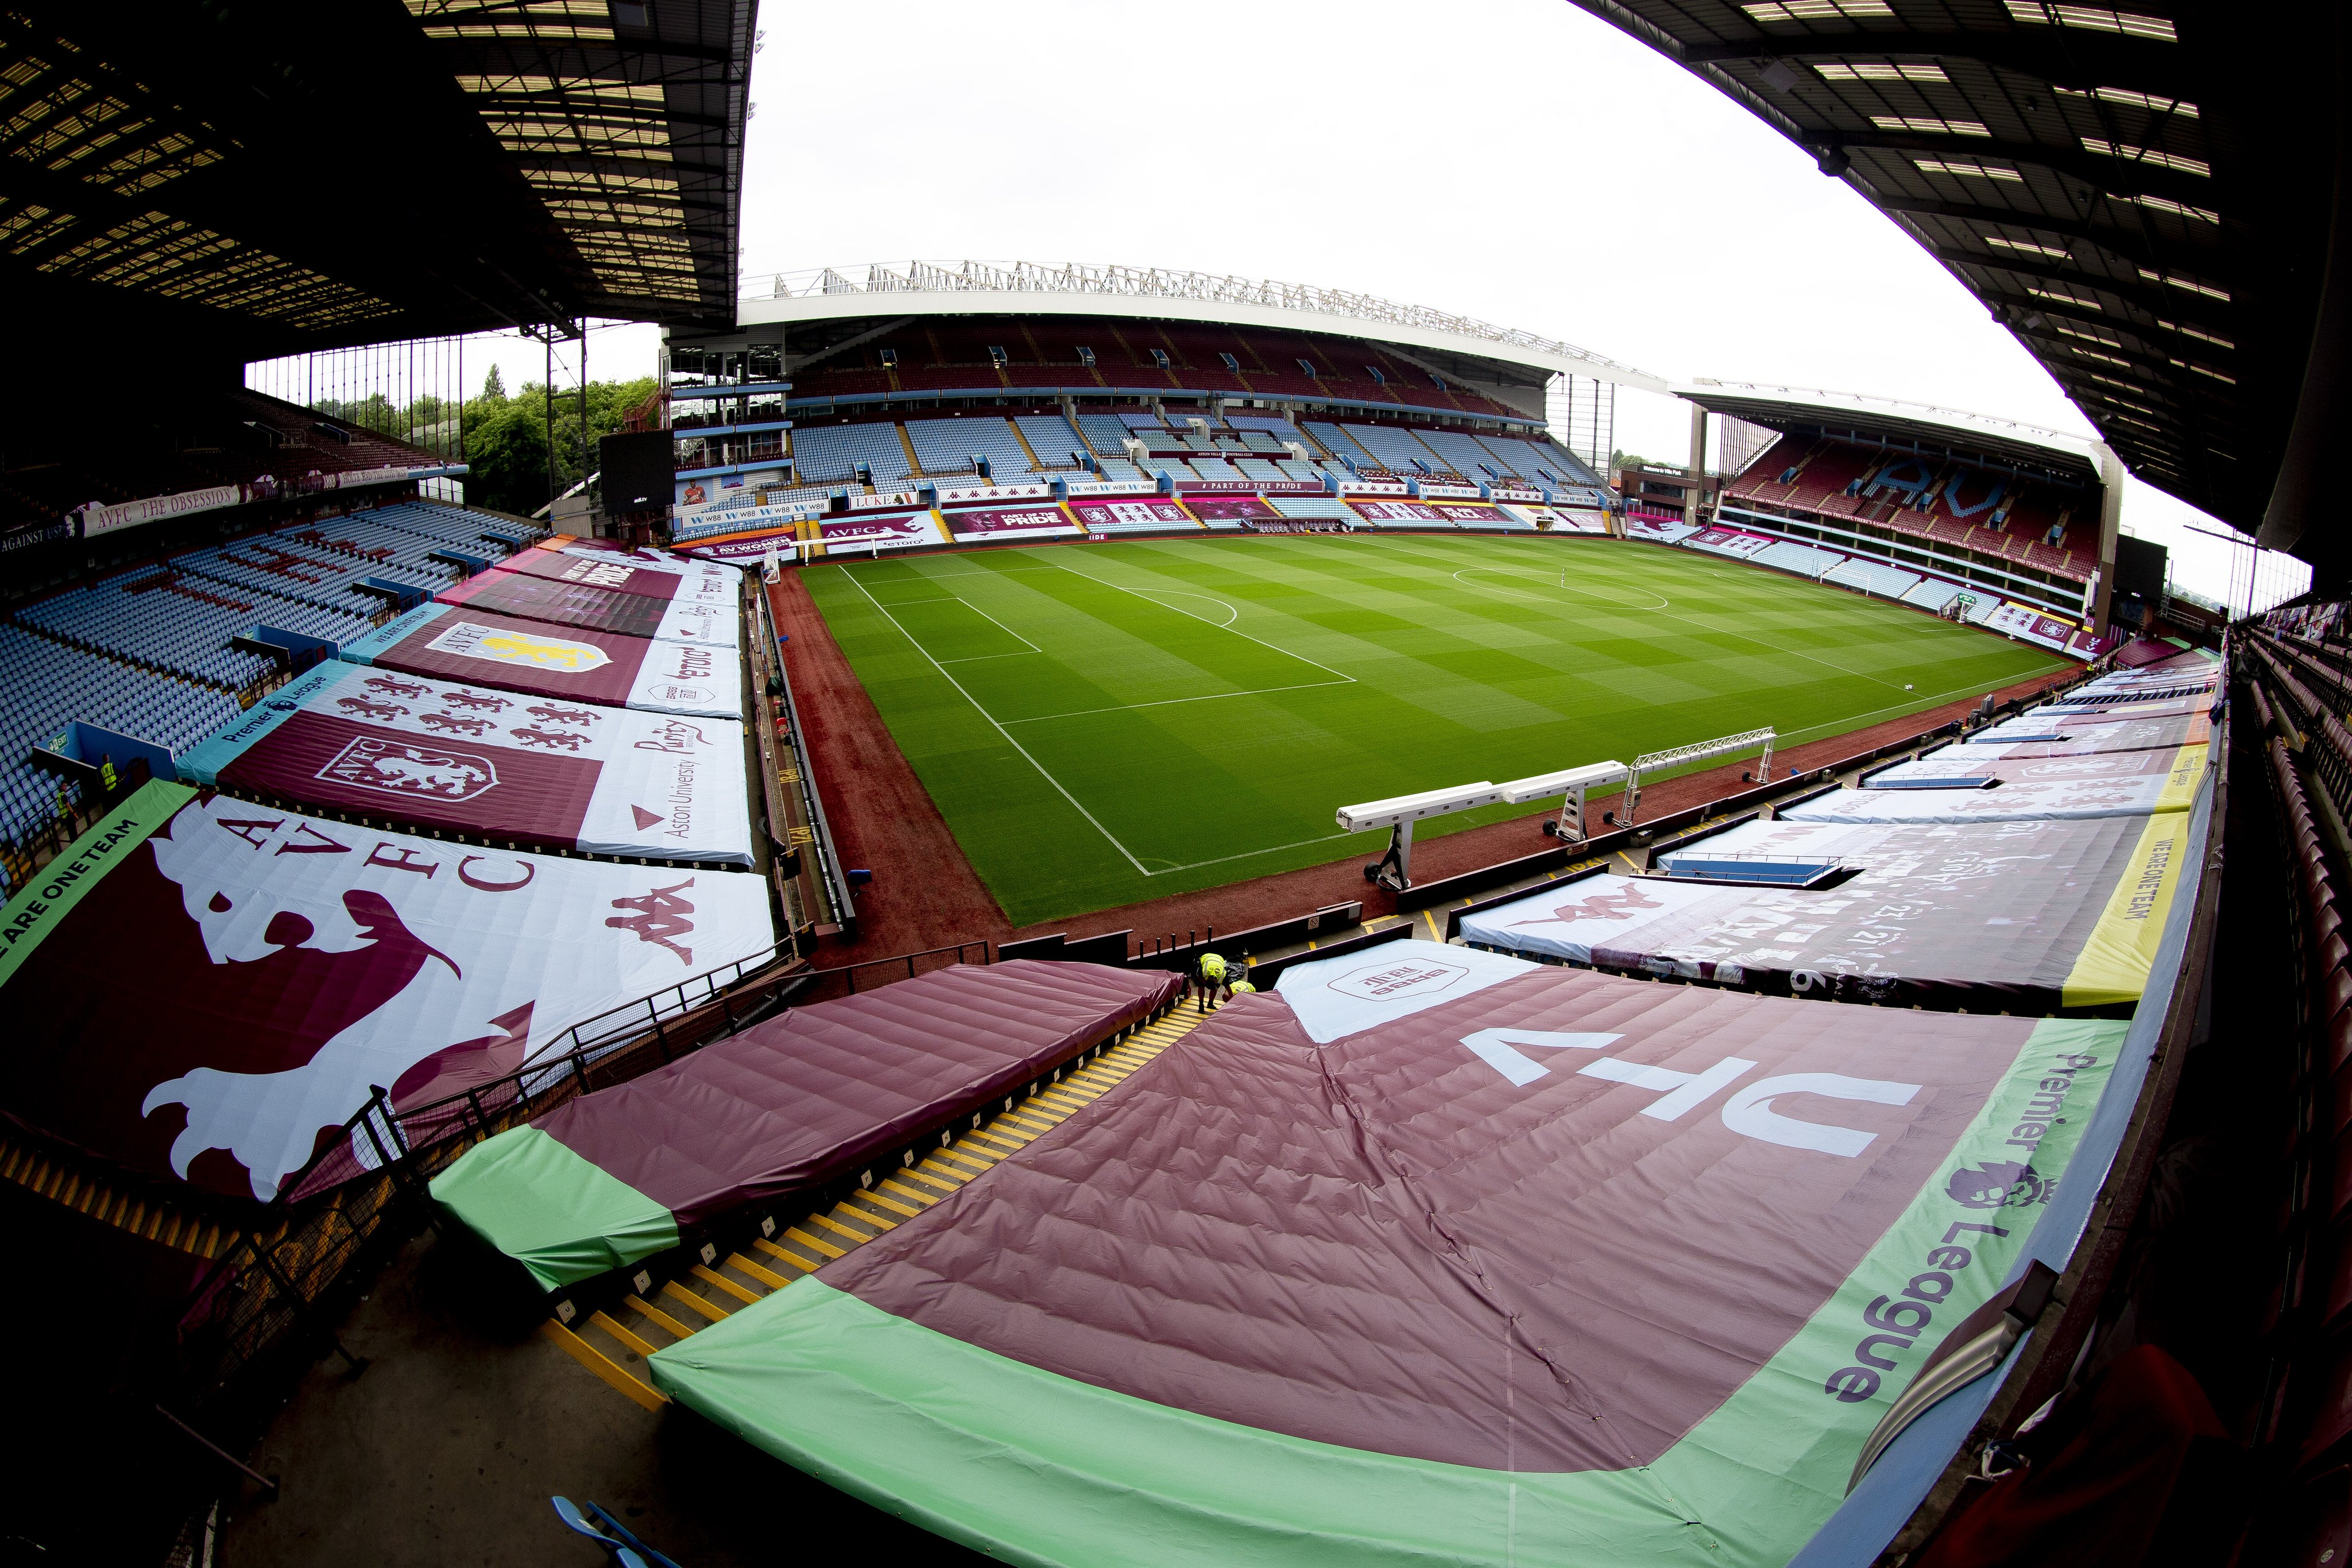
{"type": "Point", "coordinates": [640, 471]}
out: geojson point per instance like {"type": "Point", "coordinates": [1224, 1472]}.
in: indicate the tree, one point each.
{"type": "Point", "coordinates": [494, 387]}
{"type": "Point", "coordinates": [505, 455]}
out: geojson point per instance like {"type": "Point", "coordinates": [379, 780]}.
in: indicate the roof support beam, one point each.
{"type": "Point", "coordinates": [2107, 236]}
{"type": "Point", "coordinates": [2123, 176]}
{"type": "Point", "coordinates": [2143, 63]}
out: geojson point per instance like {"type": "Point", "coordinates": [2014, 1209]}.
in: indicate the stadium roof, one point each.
{"type": "Point", "coordinates": [2143, 196]}
{"type": "Point", "coordinates": [1029, 289]}
{"type": "Point", "coordinates": [1813, 408]}
{"type": "Point", "coordinates": [269, 177]}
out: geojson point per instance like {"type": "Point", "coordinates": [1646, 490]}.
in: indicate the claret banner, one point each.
{"type": "Point", "coordinates": [209, 988]}
{"type": "Point", "coordinates": [610, 593]}
{"type": "Point", "coordinates": [454, 643]}
{"type": "Point", "coordinates": [538, 771]}
{"type": "Point", "coordinates": [1431, 1256]}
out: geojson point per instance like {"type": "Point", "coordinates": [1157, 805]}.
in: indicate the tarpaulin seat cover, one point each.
{"type": "Point", "coordinates": [784, 1107]}
{"type": "Point", "coordinates": [205, 987]}
{"type": "Point", "coordinates": [2026, 800]}
{"type": "Point", "coordinates": [506, 766]}
{"type": "Point", "coordinates": [1431, 1255]}
{"type": "Point", "coordinates": [1971, 763]}
{"type": "Point", "coordinates": [2030, 735]}
{"type": "Point", "coordinates": [577, 663]}
{"type": "Point", "coordinates": [610, 593]}
{"type": "Point", "coordinates": [2021, 917]}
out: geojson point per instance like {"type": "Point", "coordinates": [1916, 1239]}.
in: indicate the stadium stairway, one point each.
{"type": "Point", "coordinates": [614, 1345]}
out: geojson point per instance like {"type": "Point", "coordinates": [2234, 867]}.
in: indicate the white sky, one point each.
{"type": "Point", "coordinates": [1553, 176]}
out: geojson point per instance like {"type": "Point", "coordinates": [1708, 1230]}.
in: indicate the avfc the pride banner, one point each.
{"type": "Point", "coordinates": [575, 664]}
{"type": "Point", "coordinates": [209, 988]}
{"type": "Point", "coordinates": [609, 593]}
{"type": "Point", "coordinates": [535, 771]}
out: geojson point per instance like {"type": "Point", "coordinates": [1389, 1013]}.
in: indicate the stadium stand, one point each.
{"type": "Point", "coordinates": [1887, 582]}
{"type": "Point", "coordinates": [949, 446]}
{"type": "Point", "coordinates": [1394, 449]}
{"type": "Point", "coordinates": [1800, 558]}
{"type": "Point", "coordinates": [836, 454]}
{"type": "Point", "coordinates": [146, 652]}
{"type": "Point", "coordinates": [1932, 593]}
{"type": "Point", "coordinates": [1050, 437]}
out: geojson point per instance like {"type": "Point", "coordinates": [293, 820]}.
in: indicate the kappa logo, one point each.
{"type": "Point", "coordinates": [1413, 978]}
{"type": "Point", "coordinates": [471, 640]}
{"type": "Point", "coordinates": [2000, 1183]}
{"type": "Point", "coordinates": [597, 574]}
{"type": "Point", "coordinates": [1618, 905]}
{"type": "Point", "coordinates": [660, 915]}
{"type": "Point", "coordinates": [399, 767]}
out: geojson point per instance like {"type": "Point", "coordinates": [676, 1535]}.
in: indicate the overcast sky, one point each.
{"type": "Point", "coordinates": [1518, 161]}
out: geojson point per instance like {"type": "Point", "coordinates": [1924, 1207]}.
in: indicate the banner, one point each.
{"type": "Point", "coordinates": [779, 1111]}
{"type": "Point", "coordinates": [106, 519]}
{"type": "Point", "coordinates": [579, 665]}
{"type": "Point", "coordinates": [547, 775]}
{"type": "Point", "coordinates": [205, 987]}
{"type": "Point", "coordinates": [880, 533]}
{"type": "Point", "coordinates": [2023, 916]}
{"type": "Point", "coordinates": [2044, 799]}
{"type": "Point", "coordinates": [610, 594]}
{"type": "Point", "coordinates": [1431, 1256]}
{"type": "Point", "coordinates": [1032, 522]}
{"type": "Point", "coordinates": [1112, 516]}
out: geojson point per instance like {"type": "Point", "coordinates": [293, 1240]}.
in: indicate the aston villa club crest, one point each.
{"type": "Point", "coordinates": [394, 767]}
{"type": "Point", "coordinates": [471, 640]}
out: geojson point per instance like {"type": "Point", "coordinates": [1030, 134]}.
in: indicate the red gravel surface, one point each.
{"type": "Point", "coordinates": [926, 894]}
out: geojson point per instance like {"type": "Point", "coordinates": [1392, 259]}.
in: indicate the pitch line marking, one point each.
{"type": "Point", "coordinates": [1170, 701]}
{"type": "Point", "coordinates": [1092, 820]}
{"type": "Point", "coordinates": [1568, 587]}
{"type": "Point", "coordinates": [1742, 636]}
{"type": "Point", "coordinates": [1261, 642]}
{"type": "Point", "coordinates": [1232, 614]}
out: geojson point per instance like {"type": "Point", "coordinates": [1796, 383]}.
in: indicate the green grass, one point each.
{"type": "Point", "coordinates": [1106, 724]}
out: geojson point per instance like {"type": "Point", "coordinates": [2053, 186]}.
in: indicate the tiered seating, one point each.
{"type": "Point", "coordinates": [383, 552]}
{"type": "Point", "coordinates": [1790, 556]}
{"type": "Point", "coordinates": [469, 531]}
{"type": "Point", "coordinates": [1051, 438]}
{"type": "Point", "coordinates": [832, 454]}
{"type": "Point", "coordinates": [50, 685]}
{"type": "Point", "coordinates": [949, 445]}
{"type": "Point", "coordinates": [182, 623]}
{"type": "Point", "coordinates": [1888, 582]}
{"type": "Point", "coordinates": [1318, 507]}
{"type": "Point", "coordinates": [1932, 593]}
{"type": "Point", "coordinates": [1395, 450]}
{"type": "Point", "coordinates": [1337, 443]}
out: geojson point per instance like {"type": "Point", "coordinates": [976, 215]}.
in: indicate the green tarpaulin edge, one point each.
{"type": "Point", "coordinates": [1035, 1468]}
{"type": "Point", "coordinates": [51, 893]}
{"type": "Point", "coordinates": [562, 1217]}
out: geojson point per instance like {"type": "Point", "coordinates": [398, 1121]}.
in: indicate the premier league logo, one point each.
{"type": "Point", "coordinates": [2000, 1183]}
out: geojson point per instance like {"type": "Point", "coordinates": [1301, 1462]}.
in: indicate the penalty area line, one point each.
{"type": "Point", "coordinates": [1108, 837]}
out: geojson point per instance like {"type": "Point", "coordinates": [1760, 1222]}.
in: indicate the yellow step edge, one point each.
{"type": "Point", "coordinates": [873, 1195]}
{"type": "Point", "coordinates": [830, 1223]}
{"type": "Point", "coordinates": [603, 1366]}
{"type": "Point", "coordinates": [710, 1276]}
{"type": "Point", "coordinates": [794, 1259]}
{"type": "Point", "coordinates": [767, 1277]}
{"type": "Point", "coordinates": [693, 1303]}
{"type": "Point", "coordinates": [805, 1239]}
{"type": "Point", "coordinates": [894, 1184]}
{"type": "Point", "coordinates": [626, 1335]}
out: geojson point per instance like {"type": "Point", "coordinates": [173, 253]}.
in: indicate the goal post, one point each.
{"type": "Point", "coordinates": [1701, 751]}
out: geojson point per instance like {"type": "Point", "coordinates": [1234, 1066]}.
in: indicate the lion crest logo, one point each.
{"type": "Point", "coordinates": [398, 767]}
{"type": "Point", "coordinates": [2000, 1183]}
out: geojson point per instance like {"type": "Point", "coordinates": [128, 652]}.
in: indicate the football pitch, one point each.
{"type": "Point", "coordinates": [1103, 724]}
